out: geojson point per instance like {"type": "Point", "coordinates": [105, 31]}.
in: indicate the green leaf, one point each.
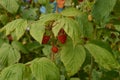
{"type": "Point", "coordinates": [43, 1]}
{"type": "Point", "coordinates": [68, 2]}
{"type": "Point", "coordinates": [10, 5]}
{"type": "Point", "coordinates": [74, 79]}
{"type": "Point", "coordinates": [75, 2]}
{"type": "Point", "coordinates": [117, 27]}
{"type": "Point", "coordinates": [102, 56]}
{"type": "Point", "coordinates": [96, 75]}
{"type": "Point", "coordinates": [33, 46]}
{"type": "Point", "coordinates": [4, 19]}
{"type": "Point", "coordinates": [37, 31]}
{"type": "Point", "coordinates": [49, 8]}
{"type": "Point", "coordinates": [102, 44]}
{"type": "Point", "coordinates": [72, 57]}
{"type": "Point", "coordinates": [16, 72]}
{"type": "Point", "coordinates": [86, 27]}
{"type": "Point", "coordinates": [49, 17]}
{"type": "Point", "coordinates": [70, 12]}
{"type": "Point", "coordinates": [59, 24]}
{"type": "Point", "coordinates": [30, 14]}
{"type": "Point", "coordinates": [70, 26]}
{"type": "Point", "coordinates": [47, 50]}
{"type": "Point", "coordinates": [19, 46]}
{"type": "Point", "coordinates": [8, 55]}
{"type": "Point", "coordinates": [102, 9]}
{"type": "Point", "coordinates": [17, 26]}
{"type": "Point", "coordinates": [44, 69]}
{"type": "Point", "coordinates": [21, 28]}
{"type": "Point", "coordinates": [117, 9]}
{"type": "Point", "coordinates": [1, 42]}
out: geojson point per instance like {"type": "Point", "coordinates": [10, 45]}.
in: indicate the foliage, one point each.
{"type": "Point", "coordinates": [32, 48]}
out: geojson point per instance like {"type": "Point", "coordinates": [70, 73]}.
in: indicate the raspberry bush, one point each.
{"type": "Point", "coordinates": [59, 40]}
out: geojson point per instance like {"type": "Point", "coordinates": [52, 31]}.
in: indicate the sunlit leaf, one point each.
{"type": "Point", "coordinates": [49, 17]}
{"type": "Point", "coordinates": [10, 5]}
{"type": "Point", "coordinates": [72, 57]}
{"type": "Point", "coordinates": [44, 69]}
{"type": "Point", "coordinates": [17, 26]}
{"type": "Point", "coordinates": [70, 26]}
{"type": "Point", "coordinates": [8, 55]}
{"type": "Point", "coordinates": [37, 31]}
{"type": "Point", "coordinates": [43, 1]}
{"type": "Point", "coordinates": [70, 12]}
{"type": "Point", "coordinates": [16, 72]}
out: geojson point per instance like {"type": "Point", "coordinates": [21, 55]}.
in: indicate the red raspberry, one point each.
{"type": "Point", "coordinates": [54, 49]}
{"type": "Point", "coordinates": [62, 38]}
{"type": "Point", "coordinates": [45, 39]}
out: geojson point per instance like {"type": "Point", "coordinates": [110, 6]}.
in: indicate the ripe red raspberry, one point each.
{"type": "Point", "coordinates": [45, 39]}
{"type": "Point", "coordinates": [54, 49]}
{"type": "Point", "coordinates": [62, 38]}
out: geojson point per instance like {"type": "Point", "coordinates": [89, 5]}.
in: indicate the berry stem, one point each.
{"type": "Point", "coordinates": [52, 56]}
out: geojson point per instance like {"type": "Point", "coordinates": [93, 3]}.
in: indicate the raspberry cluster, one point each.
{"type": "Point", "coordinates": [61, 38]}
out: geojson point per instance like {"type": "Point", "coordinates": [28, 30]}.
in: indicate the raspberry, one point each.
{"type": "Point", "coordinates": [54, 49]}
{"type": "Point", "coordinates": [45, 39]}
{"type": "Point", "coordinates": [62, 38]}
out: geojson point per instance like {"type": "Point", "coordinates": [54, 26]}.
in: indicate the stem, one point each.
{"type": "Point", "coordinates": [92, 59]}
{"type": "Point", "coordinates": [95, 33]}
{"type": "Point", "coordinates": [28, 36]}
{"type": "Point", "coordinates": [91, 68]}
{"type": "Point", "coordinates": [52, 56]}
